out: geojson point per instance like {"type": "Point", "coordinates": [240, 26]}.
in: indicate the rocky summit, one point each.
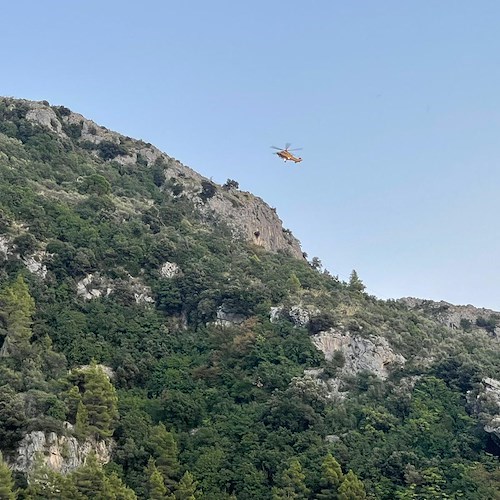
{"type": "Point", "coordinates": [163, 336]}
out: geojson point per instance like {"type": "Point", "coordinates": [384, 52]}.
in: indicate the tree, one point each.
{"type": "Point", "coordinates": [91, 481]}
{"type": "Point", "coordinates": [116, 490]}
{"type": "Point", "coordinates": [316, 263]}
{"type": "Point", "coordinates": [96, 184]}
{"type": "Point", "coordinates": [156, 484]}
{"type": "Point", "coordinates": [16, 310]}
{"type": "Point", "coordinates": [230, 184]}
{"type": "Point", "coordinates": [293, 283]}
{"type": "Point", "coordinates": [81, 421]}
{"type": "Point", "coordinates": [351, 488]}
{"type": "Point", "coordinates": [6, 481]}
{"type": "Point", "coordinates": [291, 483]}
{"type": "Point", "coordinates": [355, 284]}
{"type": "Point", "coordinates": [187, 489]}
{"type": "Point", "coordinates": [90, 478]}
{"type": "Point", "coordinates": [165, 451]}
{"type": "Point", "coordinates": [13, 417]}
{"type": "Point", "coordinates": [100, 402]}
{"type": "Point", "coordinates": [331, 478]}
{"type": "Point", "coordinates": [110, 150]}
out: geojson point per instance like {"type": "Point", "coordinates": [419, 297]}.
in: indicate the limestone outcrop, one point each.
{"type": "Point", "coordinates": [94, 286]}
{"type": "Point", "coordinates": [485, 403]}
{"type": "Point", "coordinates": [454, 316]}
{"type": "Point", "coordinates": [299, 315]}
{"type": "Point", "coordinates": [372, 354]}
{"type": "Point", "coordinates": [60, 453]}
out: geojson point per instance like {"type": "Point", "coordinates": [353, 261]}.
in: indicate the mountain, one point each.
{"type": "Point", "coordinates": [163, 336]}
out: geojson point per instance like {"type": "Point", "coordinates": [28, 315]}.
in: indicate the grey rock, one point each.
{"type": "Point", "coordinates": [5, 244]}
{"type": "Point", "coordinates": [373, 354]}
{"type": "Point", "coordinates": [300, 315]}
{"type": "Point", "coordinates": [60, 453]}
{"type": "Point", "coordinates": [169, 270]}
{"type": "Point", "coordinates": [226, 318]}
{"type": "Point", "coordinates": [107, 370]}
{"type": "Point", "coordinates": [485, 403]}
{"type": "Point", "coordinates": [45, 116]}
{"type": "Point", "coordinates": [35, 265]}
{"type": "Point", "coordinates": [331, 386]}
{"type": "Point", "coordinates": [448, 314]}
{"type": "Point", "coordinates": [93, 286]}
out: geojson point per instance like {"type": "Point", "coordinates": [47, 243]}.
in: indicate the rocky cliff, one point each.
{"type": "Point", "coordinates": [60, 453]}
{"type": "Point", "coordinates": [485, 403]}
{"type": "Point", "coordinates": [248, 216]}
{"type": "Point", "coordinates": [454, 316]}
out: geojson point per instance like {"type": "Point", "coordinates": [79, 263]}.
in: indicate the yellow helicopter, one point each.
{"type": "Point", "coordinates": [286, 153]}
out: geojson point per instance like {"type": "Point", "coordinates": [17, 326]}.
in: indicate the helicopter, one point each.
{"type": "Point", "coordinates": [286, 153]}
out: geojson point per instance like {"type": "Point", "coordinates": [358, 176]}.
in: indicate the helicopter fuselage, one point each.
{"type": "Point", "coordinates": [287, 156]}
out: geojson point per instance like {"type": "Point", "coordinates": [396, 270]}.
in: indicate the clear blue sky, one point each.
{"type": "Point", "coordinates": [396, 104]}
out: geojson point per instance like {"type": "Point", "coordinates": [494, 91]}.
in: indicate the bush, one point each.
{"type": "Point", "coordinates": [230, 184]}
{"type": "Point", "coordinates": [25, 244]}
{"type": "Point", "coordinates": [96, 184]}
{"type": "Point", "coordinates": [73, 130]}
{"type": "Point", "coordinates": [322, 322]}
{"type": "Point", "coordinates": [208, 190]}
{"type": "Point", "coordinates": [489, 324]}
{"type": "Point", "coordinates": [110, 150]}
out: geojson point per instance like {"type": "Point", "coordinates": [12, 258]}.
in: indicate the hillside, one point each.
{"type": "Point", "coordinates": [163, 336]}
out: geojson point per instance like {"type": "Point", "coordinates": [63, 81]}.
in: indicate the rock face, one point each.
{"type": "Point", "coordinates": [485, 402]}
{"type": "Point", "coordinates": [248, 216]}
{"type": "Point", "coordinates": [4, 247]}
{"type": "Point", "coordinates": [451, 315]}
{"type": "Point", "coordinates": [373, 354]}
{"type": "Point", "coordinates": [34, 263]}
{"type": "Point", "coordinates": [251, 219]}
{"type": "Point", "coordinates": [60, 453]}
{"type": "Point", "coordinates": [299, 315]}
{"type": "Point", "coordinates": [228, 318]}
{"type": "Point", "coordinates": [94, 286]}
{"type": "Point", "coordinates": [169, 270]}
{"type": "Point", "coordinates": [45, 116]}
{"type": "Point", "coordinates": [351, 354]}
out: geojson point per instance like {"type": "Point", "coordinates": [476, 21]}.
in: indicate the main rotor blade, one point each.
{"type": "Point", "coordinates": [296, 149]}
{"type": "Point", "coordinates": [288, 144]}
{"type": "Point", "coordinates": [279, 149]}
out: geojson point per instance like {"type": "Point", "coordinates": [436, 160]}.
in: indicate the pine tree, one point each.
{"type": "Point", "coordinates": [291, 484]}
{"type": "Point", "coordinates": [73, 398]}
{"type": "Point", "coordinates": [166, 454]}
{"type": "Point", "coordinates": [82, 421]}
{"type": "Point", "coordinates": [100, 402]}
{"type": "Point", "coordinates": [16, 310]}
{"type": "Point", "coordinates": [293, 283]}
{"type": "Point", "coordinates": [187, 488]}
{"type": "Point", "coordinates": [91, 482]}
{"type": "Point", "coordinates": [156, 483]}
{"type": "Point", "coordinates": [331, 477]}
{"type": "Point", "coordinates": [90, 479]}
{"type": "Point", "coordinates": [351, 488]}
{"type": "Point", "coordinates": [355, 284]}
{"type": "Point", "coordinates": [114, 489]}
{"type": "Point", "coordinates": [6, 481]}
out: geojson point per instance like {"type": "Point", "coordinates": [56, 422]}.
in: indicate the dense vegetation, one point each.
{"type": "Point", "coordinates": [196, 409]}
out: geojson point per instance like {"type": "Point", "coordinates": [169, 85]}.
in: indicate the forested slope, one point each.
{"type": "Point", "coordinates": [142, 333]}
